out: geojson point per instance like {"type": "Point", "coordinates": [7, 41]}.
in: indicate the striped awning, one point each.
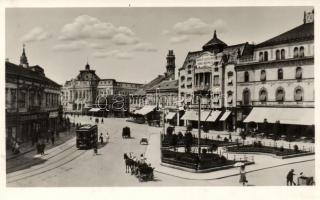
{"type": "Point", "coordinates": [145, 110]}
{"type": "Point", "coordinates": [225, 115]}
{"type": "Point", "coordinates": [213, 116]}
{"type": "Point", "coordinates": [193, 115]}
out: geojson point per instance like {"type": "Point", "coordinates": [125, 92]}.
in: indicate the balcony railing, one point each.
{"type": "Point", "coordinates": [202, 87]}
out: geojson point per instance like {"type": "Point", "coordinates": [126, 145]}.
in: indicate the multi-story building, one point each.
{"type": "Point", "coordinates": [210, 74]}
{"type": "Point", "coordinates": [80, 95]}
{"type": "Point", "coordinates": [32, 102]}
{"type": "Point", "coordinates": [275, 85]}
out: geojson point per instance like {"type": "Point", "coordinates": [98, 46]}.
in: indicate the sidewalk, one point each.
{"type": "Point", "coordinates": [261, 162]}
{"type": "Point", "coordinates": [26, 147]}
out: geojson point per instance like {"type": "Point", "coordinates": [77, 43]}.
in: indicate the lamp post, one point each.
{"type": "Point", "coordinates": [199, 126]}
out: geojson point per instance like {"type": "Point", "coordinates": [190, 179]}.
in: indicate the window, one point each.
{"type": "Point", "coordinates": [280, 74]}
{"type": "Point", "coordinates": [182, 78]}
{"type": "Point", "coordinates": [265, 56]}
{"type": "Point", "coordinates": [229, 98]}
{"type": "Point", "coordinates": [278, 55]}
{"type": "Point", "coordinates": [216, 98]}
{"type": "Point", "coordinates": [261, 56]}
{"type": "Point", "coordinates": [301, 53]}
{"type": "Point", "coordinates": [189, 79]}
{"type": "Point", "coordinates": [263, 75]}
{"type": "Point", "coordinates": [216, 80]}
{"type": "Point", "coordinates": [295, 52]}
{"type": "Point", "coordinates": [298, 94]}
{"type": "Point", "coordinates": [280, 95]}
{"type": "Point", "coordinates": [230, 78]}
{"type": "Point", "coordinates": [189, 72]}
{"type": "Point", "coordinates": [246, 76]}
{"type": "Point", "coordinates": [263, 95]}
{"type": "Point", "coordinates": [283, 54]}
{"type": "Point", "coordinates": [246, 96]}
{"type": "Point", "coordinates": [216, 69]}
{"type": "Point", "coordinates": [298, 73]}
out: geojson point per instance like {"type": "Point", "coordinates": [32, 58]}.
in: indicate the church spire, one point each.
{"type": "Point", "coordinates": [23, 58]}
{"type": "Point", "coordinates": [215, 34]}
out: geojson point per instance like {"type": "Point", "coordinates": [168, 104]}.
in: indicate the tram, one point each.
{"type": "Point", "coordinates": [86, 136]}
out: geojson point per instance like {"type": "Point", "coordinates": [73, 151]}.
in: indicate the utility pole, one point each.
{"type": "Point", "coordinates": [199, 125]}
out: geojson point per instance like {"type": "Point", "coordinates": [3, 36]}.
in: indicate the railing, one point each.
{"type": "Point", "coordinates": [278, 103]}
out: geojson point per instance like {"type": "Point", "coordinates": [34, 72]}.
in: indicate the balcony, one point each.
{"type": "Point", "coordinates": [202, 87]}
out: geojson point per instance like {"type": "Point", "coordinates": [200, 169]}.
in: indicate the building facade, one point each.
{"type": "Point", "coordinates": [32, 103]}
{"type": "Point", "coordinates": [275, 85]}
{"type": "Point", "coordinates": [210, 75]}
{"type": "Point", "coordinates": [81, 94]}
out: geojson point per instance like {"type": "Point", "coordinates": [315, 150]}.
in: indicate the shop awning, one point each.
{"type": "Point", "coordinates": [225, 115]}
{"type": "Point", "coordinates": [94, 110]}
{"type": "Point", "coordinates": [213, 116]}
{"type": "Point", "coordinates": [145, 110]}
{"type": "Point", "coordinates": [170, 115]}
{"type": "Point", "coordinates": [193, 115]}
{"type": "Point", "coordinates": [296, 116]}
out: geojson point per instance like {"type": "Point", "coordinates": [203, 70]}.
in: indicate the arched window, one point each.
{"type": "Point", "coordinates": [301, 53]}
{"type": "Point", "coordinates": [261, 56]}
{"type": "Point", "coordinates": [246, 96]}
{"type": "Point", "coordinates": [295, 52]}
{"type": "Point", "coordinates": [298, 94]}
{"type": "Point", "coordinates": [263, 95]}
{"type": "Point", "coordinates": [283, 54]}
{"type": "Point", "coordinates": [265, 56]}
{"type": "Point", "coordinates": [280, 74]}
{"type": "Point", "coordinates": [263, 75]}
{"type": "Point", "coordinates": [230, 78]}
{"type": "Point", "coordinates": [229, 98]}
{"type": "Point", "coordinates": [278, 54]}
{"type": "Point", "coordinates": [280, 95]}
{"type": "Point", "coordinates": [246, 76]}
{"type": "Point", "coordinates": [298, 73]}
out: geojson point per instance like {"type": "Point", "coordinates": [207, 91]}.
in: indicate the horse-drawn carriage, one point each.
{"type": "Point", "coordinates": [145, 172]}
{"type": "Point", "coordinates": [126, 132]}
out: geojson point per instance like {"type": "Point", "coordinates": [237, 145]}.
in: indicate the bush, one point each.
{"type": "Point", "coordinates": [170, 130]}
{"type": "Point", "coordinates": [205, 129]}
{"type": "Point", "coordinates": [204, 151]}
{"type": "Point", "coordinates": [295, 148]}
{"type": "Point", "coordinates": [189, 128]}
{"type": "Point", "coordinates": [281, 149]}
{"type": "Point", "coordinates": [223, 159]}
{"type": "Point", "coordinates": [218, 137]}
{"type": "Point", "coordinates": [226, 139]}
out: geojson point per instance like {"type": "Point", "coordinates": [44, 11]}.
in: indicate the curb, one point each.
{"type": "Point", "coordinates": [236, 174]}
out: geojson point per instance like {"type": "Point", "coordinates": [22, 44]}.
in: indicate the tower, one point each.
{"type": "Point", "coordinates": [23, 58]}
{"type": "Point", "coordinates": [87, 66]}
{"type": "Point", "coordinates": [171, 66]}
{"type": "Point", "coordinates": [214, 45]}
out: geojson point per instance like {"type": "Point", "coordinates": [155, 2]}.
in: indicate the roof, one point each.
{"type": "Point", "coordinates": [149, 85]}
{"type": "Point", "coordinates": [214, 41]}
{"type": "Point", "coordinates": [165, 85]}
{"type": "Point", "coordinates": [16, 70]}
{"type": "Point", "coordinates": [300, 33]}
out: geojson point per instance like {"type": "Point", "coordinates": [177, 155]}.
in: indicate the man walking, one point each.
{"type": "Point", "coordinates": [101, 139]}
{"type": "Point", "coordinates": [290, 177]}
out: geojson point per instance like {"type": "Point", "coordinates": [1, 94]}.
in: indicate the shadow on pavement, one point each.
{"type": "Point", "coordinates": [23, 162]}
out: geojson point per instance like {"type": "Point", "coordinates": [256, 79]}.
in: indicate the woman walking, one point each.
{"type": "Point", "coordinates": [243, 178]}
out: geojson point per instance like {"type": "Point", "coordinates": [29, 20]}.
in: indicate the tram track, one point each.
{"type": "Point", "coordinates": [48, 167]}
{"type": "Point", "coordinates": [32, 162]}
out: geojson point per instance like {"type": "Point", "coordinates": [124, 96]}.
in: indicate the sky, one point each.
{"type": "Point", "coordinates": [131, 44]}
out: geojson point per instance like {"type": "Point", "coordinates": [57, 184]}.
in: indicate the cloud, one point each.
{"type": "Point", "coordinates": [87, 27]}
{"type": "Point", "coordinates": [70, 46]}
{"type": "Point", "coordinates": [179, 39]}
{"type": "Point", "coordinates": [123, 39]}
{"type": "Point", "coordinates": [114, 53]}
{"type": "Point", "coordinates": [195, 26]}
{"type": "Point", "coordinates": [144, 47]}
{"type": "Point", "coordinates": [35, 34]}
{"type": "Point", "coordinates": [165, 32]}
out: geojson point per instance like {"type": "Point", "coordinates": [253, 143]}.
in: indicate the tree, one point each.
{"type": "Point", "coordinates": [188, 139]}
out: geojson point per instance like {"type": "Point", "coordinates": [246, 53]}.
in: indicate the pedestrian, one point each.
{"type": "Point", "coordinates": [243, 178]}
{"type": "Point", "coordinates": [16, 148]}
{"type": "Point", "coordinates": [101, 139]}
{"type": "Point", "coordinates": [38, 148]}
{"type": "Point", "coordinates": [43, 146]}
{"type": "Point", "coordinates": [95, 149]}
{"type": "Point", "coordinates": [107, 137]}
{"type": "Point", "coordinates": [290, 177]}
{"type": "Point", "coordinates": [52, 139]}
{"type": "Point", "coordinates": [101, 120]}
